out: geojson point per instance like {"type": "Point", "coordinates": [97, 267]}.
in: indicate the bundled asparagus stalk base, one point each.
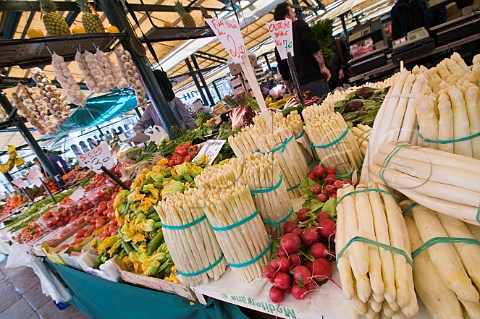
{"type": "Point", "coordinates": [332, 140]}
{"type": "Point", "coordinates": [239, 230]}
{"type": "Point", "coordinates": [259, 138]}
{"type": "Point", "coordinates": [191, 241]}
{"type": "Point", "coordinates": [362, 136]}
{"type": "Point", "coordinates": [441, 181]}
{"type": "Point", "coordinates": [448, 117]}
{"type": "Point", "coordinates": [375, 272]}
{"type": "Point", "coordinates": [447, 272]}
{"type": "Point", "coordinates": [263, 175]}
{"type": "Point", "coordinates": [261, 172]}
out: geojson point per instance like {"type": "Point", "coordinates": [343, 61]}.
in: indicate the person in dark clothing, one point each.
{"type": "Point", "coordinates": [58, 162]}
{"type": "Point", "coordinates": [407, 15]}
{"type": "Point", "coordinates": [312, 73]}
{"type": "Point", "coordinates": [339, 66]}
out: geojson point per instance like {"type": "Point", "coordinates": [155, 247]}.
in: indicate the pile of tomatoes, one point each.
{"type": "Point", "coordinates": [182, 153]}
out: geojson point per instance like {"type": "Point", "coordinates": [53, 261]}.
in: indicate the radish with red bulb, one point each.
{"type": "Point", "coordinates": [288, 227]}
{"type": "Point", "coordinates": [302, 275]}
{"type": "Point", "coordinates": [282, 280]}
{"type": "Point", "coordinates": [274, 264]}
{"type": "Point", "coordinates": [318, 171]}
{"type": "Point", "coordinates": [302, 214]}
{"type": "Point", "coordinates": [318, 250]}
{"type": "Point", "coordinates": [348, 181]}
{"type": "Point", "coordinates": [321, 269]}
{"type": "Point", "coordinates": [338, 184]}
{"type": "Point", "coordinates": [294, 259]}
{"type": "Point", "coordinates": [308, 264]}
{"type": "Point", "coordinates": [334, 195]}
{"type": "Point", "coordinates": [312, 177]}
{"type": "Point", "coordinates": [321, 216]}
{"type": "Point", "coordinates": [290, 243]}
{"type": "Point", "coordinates": [312, 285]}
{"type": "Point", "coordinates": [269, 271]}
{"type": "Point", "coordinates": [330, 179]}
{"type": "Point", "coordinates": [330, 170]}
{"type": "Point", "coordinates": [330, 189]}
{"type": "Point", "coordinates": [281, 252]}
{"type": "Point", "coordinates": [316, 189]}
{"type": "Point", "coordinates": [298, 292]}
{"type": "Point", "coordinates": [326, 228]}
{"type": "Point", "coordinates": [309, 236]}
{"type": "Point", "coordinates": [283, 264]}
{"type": "Point", "coordinates": [276, 294]}
{"type": "Point", "coordinates": [297, 231]}
{"type": "Point", "coordinates": [322, 197]}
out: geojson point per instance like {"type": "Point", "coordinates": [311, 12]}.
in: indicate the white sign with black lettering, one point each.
{"type": "Point", "coordinates": [98, 157]}
{"type": "Point", "coordinates": [211, 149]}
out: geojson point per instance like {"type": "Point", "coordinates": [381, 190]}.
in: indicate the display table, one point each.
{"type": "Point", "coordinates": [326, 303]}
{"type": "Point", "coordinates": [100, 298]}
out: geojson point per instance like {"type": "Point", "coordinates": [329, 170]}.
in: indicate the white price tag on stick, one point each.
{"type": "Point", "coordinates": [19, 183]}
{"type": "Point", "coordinates": [228, 32]}
{"type": "Point", "coordinates": [282, 35]}
{"type": "Point", "coordinates": [34, 176]}
{"type": "Point", "coordinates": [211, 149]}
{"type": "Point", "coordinates": [98, 157]}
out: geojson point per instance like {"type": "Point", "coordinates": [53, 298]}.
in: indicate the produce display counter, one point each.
{"type": "Point", "coordinates": [100, 298]}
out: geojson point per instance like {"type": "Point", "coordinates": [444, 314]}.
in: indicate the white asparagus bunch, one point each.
{"type": "Point", "coordinates": [63, 75]}
{"type": "Point", "coordinates": [195, 248]}
{"type": "Point", "coordinates": [56, 104]}
{"type": "Point", "coordinates": [289, 154]}
{"type": "Point", "coordinates": [28, 114]}
{"type": "Point", "coordinates": [262, 172]}
{"type": "Point", "coordinates": [441, 181]}
{"type": "Point", "coordinates": [221, 176]}
{"type": "Point", "coordinates": [329, 128]}
{"type": "Point", "coordinates": [38, 108]}
{"type": "Point", "coordinates": [128, 68]}
{"type": "Point", "coordinates": [247, 241]}
{"type": "Point", "coordinates": [93, 73]}
{"type": "Point", "coordinates": [456, 264]}
{"type": "Point", "coordinates": [106, 66]}
{"type": "Point", "coordinates": [375, 280]}
{"type": "Point", "coordinates": [362, 136]}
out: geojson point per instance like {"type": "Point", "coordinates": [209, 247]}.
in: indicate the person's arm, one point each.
{"type": "Point", "coordinates": [313, 45]}
{"type": "Point", "coordinates": [185, 116]}
{"type": "Point", "coordinates": [145, 121]}
{"type": "Point", "coordinates": [282, 67]}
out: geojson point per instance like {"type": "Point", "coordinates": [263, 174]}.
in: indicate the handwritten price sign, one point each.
{"type": "Point", "coordinates": [19, 183]}
{"type": "Point", "coordinates": [98, 157]}
{"type": "Point", "coordinates": [228, 32]}
{"type": "Point", "coordinates": [34, 176]}
{"type": "Point", "coordinates": [282, 35]}
{"type": "Point", "coordinates": [211, 149]}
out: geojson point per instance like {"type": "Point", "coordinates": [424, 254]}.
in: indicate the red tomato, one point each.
{"type": "Point", "coordinates": [181, 151]}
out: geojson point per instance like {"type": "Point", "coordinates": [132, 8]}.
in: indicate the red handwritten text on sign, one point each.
{"type": "Point", "coordinates": [281, 32]}
{"type": "Point", "coordinates": [228, 32]}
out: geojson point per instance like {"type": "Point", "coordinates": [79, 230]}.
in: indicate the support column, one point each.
{"type": "Point", "coordinates": [195, 80]}
{"type": "Point", "coordinates": [344, 26]}
{"type": "Point", "coordinates": [22, 128]}
{"type": "Point", "coordinates": [116, 16]}
{"type": "Point", "coordinates": [202, 79]}
{"type": "Point", "coordinates": [267, 61]}
{"type": "Point", "coordinates": [298, 11]}
{"type": "Point", "coordinates": [215, 87]}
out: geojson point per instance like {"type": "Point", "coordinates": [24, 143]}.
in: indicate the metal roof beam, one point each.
{"type": "Point", "coordinates": [72, 6]}
{"type": "Point", "coordinates": [71, 16]}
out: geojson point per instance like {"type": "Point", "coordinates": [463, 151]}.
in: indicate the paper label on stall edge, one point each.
{"type": "Point", "coordinates": [98, 157]}
{"type": "Point", "coordinates": [19, 183]}
{"type": "Point", "coordinates": [282, 35]}
{"type": "Point", "coordinates": [211, 149]}
{"type": "Point", "coordinates": [76, 195]}
{"type": "Point", "coordinates": [34, 176]}
{"type": "Point", "coordinates": [228, 32]}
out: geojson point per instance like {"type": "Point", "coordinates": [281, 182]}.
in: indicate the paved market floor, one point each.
{"type": "Point", "coordinates": [21, 297]}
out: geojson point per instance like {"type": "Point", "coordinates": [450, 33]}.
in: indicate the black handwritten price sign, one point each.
{"type": "Point", "coordinates": [282, 35]}
{"type": "Point", "coordinates": [211, 149]}
{"type": "Point", "coordinates": [228, 32]}
{"type": "Point", "coordinates": [98, 157]}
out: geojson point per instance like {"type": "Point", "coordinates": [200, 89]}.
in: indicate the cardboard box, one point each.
{"type": "Point", "coordinates": [156, 283]}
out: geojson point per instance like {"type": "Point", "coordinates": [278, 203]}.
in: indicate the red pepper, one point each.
{"type": "Point", "coordinates": [186, 144]}
{"type": "Point", "coordinates": [181, 151]}
{"type": "Point", "coordinates": [188, 158]}
{"type": "Point", "coordinates": [178, 161]}
{"type": "Point", "coordinates": [192, 150]}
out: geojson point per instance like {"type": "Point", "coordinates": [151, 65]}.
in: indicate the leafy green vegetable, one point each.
{"type": "Point", "coordinates": [323, 30]}
{"type": "Point", "coordinates": [202, 118]}
{"type": "Point", "coordinates": [330, 206]}
{"type": "Point", "coordinates": [306, 184]}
